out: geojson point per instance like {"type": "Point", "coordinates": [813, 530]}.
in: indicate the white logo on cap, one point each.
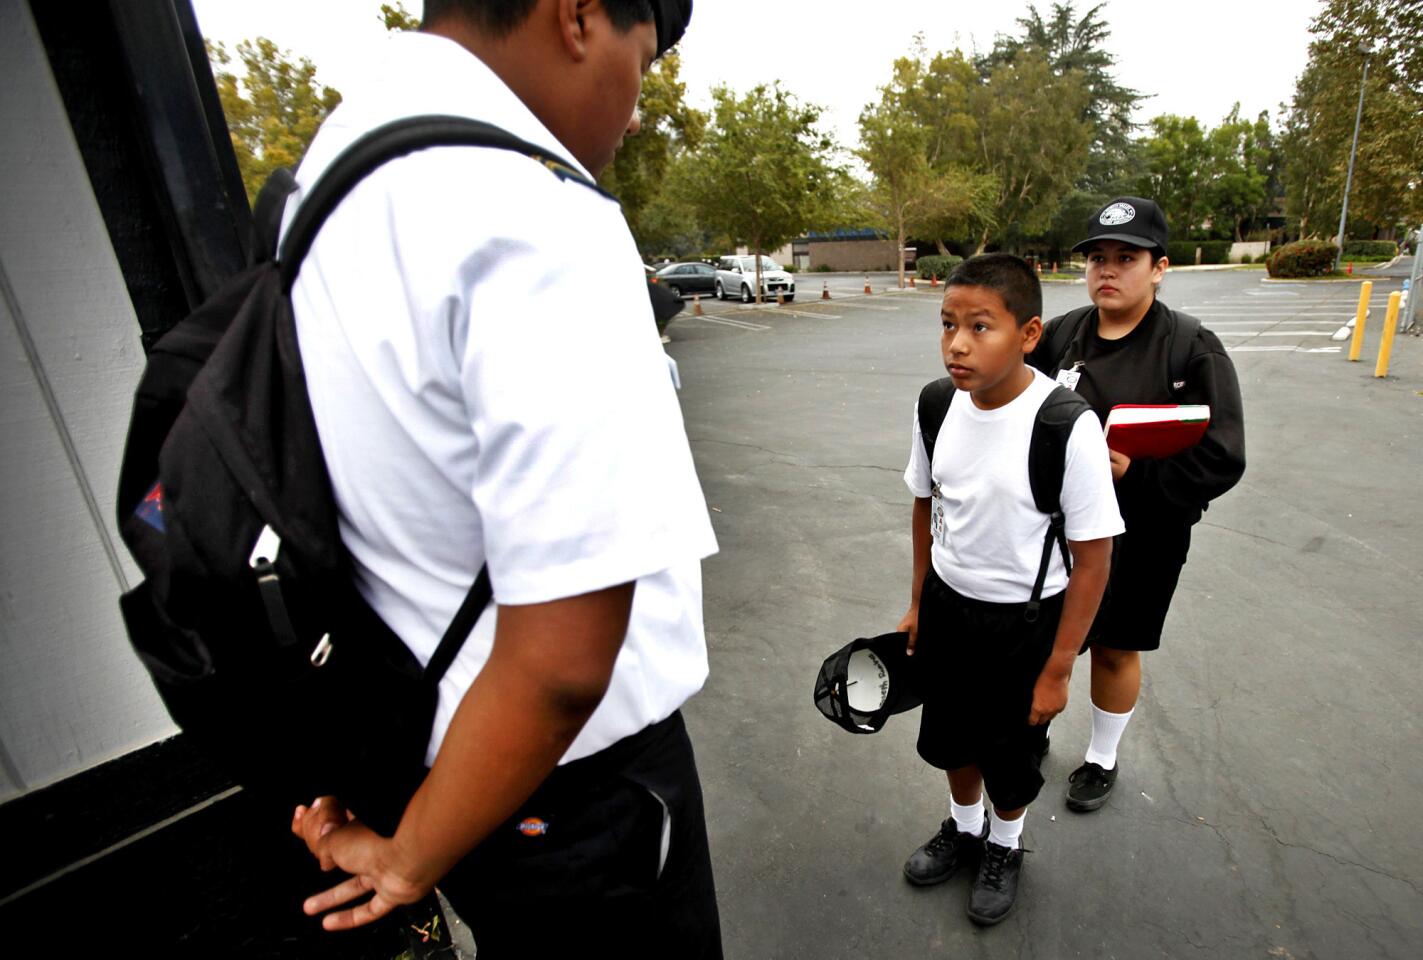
{"type": "Point", "coordinates": [1118, 214]}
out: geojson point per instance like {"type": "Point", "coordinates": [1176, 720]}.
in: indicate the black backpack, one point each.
{"type": "Point", "coordinates": [1059, 335]}
{"type": "Point", "coordinates": [1047, 459]}
{"type": "Point", "coordinates": [249, 620]}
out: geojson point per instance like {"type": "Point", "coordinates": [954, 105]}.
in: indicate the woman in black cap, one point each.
{"type": "Point", "coordinates": [1130, 348]}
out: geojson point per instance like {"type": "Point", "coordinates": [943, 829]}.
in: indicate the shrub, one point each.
{"type": "Point", "coordinates": [1246, 258]}
{"type": "Point", "coordinates": [822, 268]}
{"type": "Point", "coordinates": [1303, 258]}
{"type": "Point", "coordinates": [790, 268]}
{"type": "Point", "coordinates": [1370, 249]}
{"type": "Point", "coordinates": [936, 266]}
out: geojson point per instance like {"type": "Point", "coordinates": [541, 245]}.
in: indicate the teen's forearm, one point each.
{"type": "Point", "coordinates": [547, 672]}
{"type": "Point", "coordinates": [919, 526]}
{"type": "Point", "coordinates": [1091, 565]}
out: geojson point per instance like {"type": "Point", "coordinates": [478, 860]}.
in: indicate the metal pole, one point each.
{"type": "Point", "coordinates": [1349, 178]}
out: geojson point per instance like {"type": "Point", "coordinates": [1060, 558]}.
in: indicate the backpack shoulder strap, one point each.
{"type": "Point", "coordinates": [1182, 336]}
{"type": "Point", "coordinates": [1057, 338]}
{"type": "Point", "coordinates": [267, 216]}
{"type": "Point", "coordinates": [1047, 461]}
{"type": "Point", "coordinates": [934, 402]}
{"type": "Point", "coordinates": [386, 143]}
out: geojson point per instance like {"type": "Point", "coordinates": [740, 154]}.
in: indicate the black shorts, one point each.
{"type": "Point", "coordinates": [980, 663]}
{"type": "Point", "coordinates": [1146, 565]}
{"type": "Point", "coordinates": [578, 869]}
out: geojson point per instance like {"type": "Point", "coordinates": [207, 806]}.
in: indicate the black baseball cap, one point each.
{"type": "Point", "coordinates": [672, 17]}
{"type": "Point", "coordinates": [866, 682]}
{"type": "Point", "coordinates": [1132, 220]}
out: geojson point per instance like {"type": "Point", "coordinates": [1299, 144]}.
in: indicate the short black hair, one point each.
{"type": "Point", "coordinates": [1008, 276]}
{"type": "Point", "coordinates": [499, 18]}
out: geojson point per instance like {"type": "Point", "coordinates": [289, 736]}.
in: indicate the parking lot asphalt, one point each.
{"type": "Point", "coordinates": [1269, 799]}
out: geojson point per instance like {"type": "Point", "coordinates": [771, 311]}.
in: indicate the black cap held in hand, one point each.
{"type": "Point", "coordinates": [866, 682]}
{"type": "Point", "coordinates": [672, 17]}
{"type": "Point", "coordinates": [1132, 220]}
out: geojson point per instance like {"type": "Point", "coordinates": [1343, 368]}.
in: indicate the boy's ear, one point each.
{"type": "Point", "coordinates": [1032, 332]}
{"type": "Point", "coordinates": [573, 27]}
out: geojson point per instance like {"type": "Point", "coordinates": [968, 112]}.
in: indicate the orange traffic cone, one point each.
{"type": "Point", "coordinates": [1038, 265]}
{"type": "Point", "coordinates": [697, 305]}
{"type": "Point", "coordinates": [911, 283]}
{"type": "Point", "coordinates": [933, 279]}
{"type": "Point", "coordinates": [1350, 269]}
{"type": "Point", "coordinates": [867, 285]}
{"type": "Point", "coordinates": [780, 298]}
{"type": "Point", "coordinates": [1054, 266]}
{"type": "Point", "coordinates": [825, 289]}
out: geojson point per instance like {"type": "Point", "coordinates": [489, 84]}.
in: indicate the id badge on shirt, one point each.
{"type": "Point", "coordinates": [1069, 377]}
{"type": "Point", "coordinates": [936, 514]}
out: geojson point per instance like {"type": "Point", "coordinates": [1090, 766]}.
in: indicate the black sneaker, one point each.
{"type": "Point", "coordinates": [937, 860]}
{"type": "Point", "coordinates": [996, 887]}
{"type": "Point", "coordinates": [1089, 786]}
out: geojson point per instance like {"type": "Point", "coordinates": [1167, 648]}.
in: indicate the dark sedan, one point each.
{"type": "Point", "coordinates": [685, 279]}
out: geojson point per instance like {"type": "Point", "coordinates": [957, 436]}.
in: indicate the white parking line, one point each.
{"type": "Point", "coordinates": [730, 322]}
{"type": "Point", "coordinates": [1331, 321]}
{"type": "Point", "coordinates": [1284, 349]}
{"type": "Point", "coordinates": [1296, 333]}
{"type": "Point", "coordinates": [796, 313]}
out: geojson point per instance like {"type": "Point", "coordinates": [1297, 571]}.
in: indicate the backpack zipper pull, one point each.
{"type": "Point", "coordinates": [263, 562]}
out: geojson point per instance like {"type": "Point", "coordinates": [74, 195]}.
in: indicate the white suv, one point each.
{"type": "Point", "coordinates": [736, 276]}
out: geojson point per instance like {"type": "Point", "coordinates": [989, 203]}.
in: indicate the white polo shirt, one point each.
{"type": "Point", "coordinates": [489, 386]}
{"type": "Point", "coordinates": [988, 540]}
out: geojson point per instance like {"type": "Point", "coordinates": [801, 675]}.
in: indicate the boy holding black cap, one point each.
{"type": "Point", "coordinates": [995, 620]}
{"type": "Point", "coordinates": [562, 812]}
{"type": "Point", "coordinates": [1131, 348]}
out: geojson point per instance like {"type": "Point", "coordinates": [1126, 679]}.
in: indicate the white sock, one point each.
{"type": "Point", "coordinates": [1107, 730]}
{"type": "Point", "coordinates": [968, 819]}
{"type": "Point", "coordinates": [1006, 833]}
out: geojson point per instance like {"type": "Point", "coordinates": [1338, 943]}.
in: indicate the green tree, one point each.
{"type": "Point", "coordinates": [1240, 171]}
{"type": "Point", "coordinates": [1032, 139]}
{"type": "Point", "coordinates": [638, 175]}
{"type": "Point", "coordinates": [273, 109]}
{"type": "Point", "coordinates": [1176, 168]}
{"type": "Point", "coordinates": [892, 146]}
{"type": "Point", "coordinates": [1074, 43]}
{"type": "Point", "coordinates": [1319, 127]}
{"type": "Point", "coordinates": [762, 173]}
{"type": "Point", "coordinates": [931, 194]}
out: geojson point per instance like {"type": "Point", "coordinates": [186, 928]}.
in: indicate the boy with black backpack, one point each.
{"type": "Point", "coordinates": [1010, 475]}
{"type": "Point", "coordinates": [402, 502]}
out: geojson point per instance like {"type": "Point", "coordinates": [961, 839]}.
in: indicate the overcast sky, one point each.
{"type": "Point", "coordinates": [1194, 59]}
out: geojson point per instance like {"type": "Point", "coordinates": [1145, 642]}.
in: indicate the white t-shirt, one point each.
{"type": "Point", "coordinates": [489, 386]}
{"type": "Point", "coordinates": [991, 539]}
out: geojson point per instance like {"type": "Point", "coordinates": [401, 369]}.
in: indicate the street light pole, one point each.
{"type": "Point", "coordinates": [1349, 178]}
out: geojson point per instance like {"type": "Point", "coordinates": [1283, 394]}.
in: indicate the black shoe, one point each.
{"type": "Point", "coordinates": [1089, 786]}
{"type": "Point", "coordinates": [937, 860]}
{"type": "Point", "coordinates": [996, 887]}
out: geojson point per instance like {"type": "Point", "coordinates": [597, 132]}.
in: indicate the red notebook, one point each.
{"type": "Point", "coordinates": [1156, 430]}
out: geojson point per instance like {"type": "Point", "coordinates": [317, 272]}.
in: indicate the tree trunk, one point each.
{"type": "Point", "coordinates": [757, 244]}
{"type": "Point", "coordinates": [982, 242]}
{"type": "Point", "coordinates": [939, 245]}
{"type": "Point", "coordinates": [899, 245]}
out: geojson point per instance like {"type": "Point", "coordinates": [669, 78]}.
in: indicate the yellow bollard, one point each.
{"type": "Point", "coordinates": [1357, 345]}
{"type": "Point", "coordinates": [1386, 344]}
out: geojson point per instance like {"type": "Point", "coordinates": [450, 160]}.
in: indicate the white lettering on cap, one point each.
{"type": "Point", "coordinates": [1117, 214]}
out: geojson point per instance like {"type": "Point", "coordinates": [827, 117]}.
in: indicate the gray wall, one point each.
{"type": "Point", "coordinates": [72, 694]}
